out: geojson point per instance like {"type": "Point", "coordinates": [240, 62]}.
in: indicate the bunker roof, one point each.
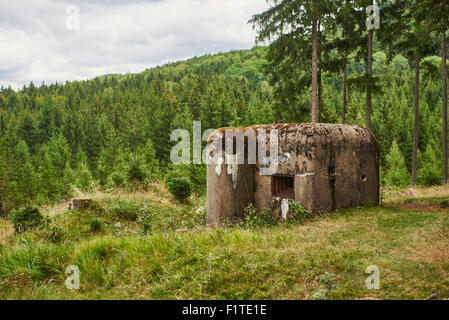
{"type": "Point", "coordinates": [337, 134]}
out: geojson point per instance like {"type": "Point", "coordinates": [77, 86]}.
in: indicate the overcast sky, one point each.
{"type": "Point", "coordinates": [40, 39]}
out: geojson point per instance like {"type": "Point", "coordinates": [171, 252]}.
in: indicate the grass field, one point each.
{"type": "Point", "coordinates": [406, 238]}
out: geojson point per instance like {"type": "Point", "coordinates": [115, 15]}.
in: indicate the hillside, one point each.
{"type": "Point", "coordinates": [177, 258]}
{"type": "Point", "coordinates": [109, 139]}
{"type": "Point", "coordinates": [337, 191]}
{"type": "Point", "coordinates": [113, 132]}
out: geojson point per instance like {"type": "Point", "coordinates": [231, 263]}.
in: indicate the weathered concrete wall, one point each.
{"type": "Point", "coordinates": [227, 200]}
{"type": "Point", "coordinates": [334, 166]}
{"type": "Point", "coordinates": [347, 168]}
{"type": "Point", "coordinates": [76, 204]}
{"type": "Point", "coordinates": [262, 197]}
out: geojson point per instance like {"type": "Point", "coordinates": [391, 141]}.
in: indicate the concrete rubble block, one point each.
{"type": "Point", "coordinates": [80, 203]}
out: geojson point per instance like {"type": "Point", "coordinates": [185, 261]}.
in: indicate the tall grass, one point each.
{"type": "Point", "coordinates": [283, 261]}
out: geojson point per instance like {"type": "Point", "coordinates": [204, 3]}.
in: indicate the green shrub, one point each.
{"type": "Point", "coordinates": [54, 234]}
{"type": "Point", "coordinates": [255, 219]}
{"type": "Point", "coordinates": [126, 209]}
{"type": "Point", "coordinates": [95, 226]}
{"type": "Point", "coordinates": [145, 222]}
{"type": "Point", "coordinates": [137, 169]}
{"type": "Point", "coordinates": [180, 187]}
{"type": "Point", "coordinates": [299, 214]}
{"type": "Point", "coordinates": [117, 179]}
{"type": "Point", "coordinates": [25, 218]}
{"type": "Point", "coordinates": [327, 285]}
{"type": "Point", "coordinates": [133, 169]}
{"type": "Point", "coordinates": [130, 210]}
{"type": "Point", "coordinates": [197, 174]}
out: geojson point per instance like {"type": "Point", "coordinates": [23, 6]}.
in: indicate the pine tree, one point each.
{"type": "Point", "coordinates": [295, 24]}
{"type": "Point", "coordinates": [194, 100]}
{"type": "Point", "coordinates": [151, 161]}
{"type": "Point", "coordinates": [108, 156]}
{"type": "Point", "coordinates": [52, 164]}
{"type": "Point", "coordinates": [436, 14]}
{"type": "Point", "coordinates": [405, 33]}
{"type": "Point", "coordinates": [397, 174]}
{"type": "Point", "coordinates": [84, 180]}
{"type": "Point", "coordinates": [430, 168]}
{"type": "Point", "coordinates": [28, 132]}
{"type": "Point", "coordinates": [25, 175]}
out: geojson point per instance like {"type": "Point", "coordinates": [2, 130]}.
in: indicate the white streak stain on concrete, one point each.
{"type": "Point", "coordinates": [231, 161]}
{"type": "Point", "coordinates": [284, 208]}
{"type": "Point", "coordinates": [218, 166]}
{"type": "Point", "coordinates": [305, 175]}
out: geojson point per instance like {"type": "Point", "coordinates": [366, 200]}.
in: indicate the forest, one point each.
{"type": "Point", "coordinates": [113, 132]}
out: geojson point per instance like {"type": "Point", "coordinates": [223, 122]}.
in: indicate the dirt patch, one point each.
{"type": "Point", "coordinates": [6, 233]}
{"type": "Point", "coordinates": [432, 245]}
{"type": "Point", "coordinates": [436, 252]}
{"type": "Point", "coordinates": [395, 195]}
{"type": "Point", "coordinates": [422, 206]}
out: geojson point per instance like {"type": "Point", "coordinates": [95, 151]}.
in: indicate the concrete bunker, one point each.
{"type": "Point", "coordinates": [322, 166]}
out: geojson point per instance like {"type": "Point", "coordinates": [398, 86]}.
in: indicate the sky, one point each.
{"type": "Point", "coordinates": [56, 40]}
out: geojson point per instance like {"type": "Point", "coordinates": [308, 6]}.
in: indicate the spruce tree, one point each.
{"type": "Point", "coordinates": [295, 24]}
{"type": "Point", "coordinates": [397, 174]}
{"type": "Point", "coordinates": [436, 14]}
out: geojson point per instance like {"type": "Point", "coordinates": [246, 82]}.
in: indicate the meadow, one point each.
{"type": "Point", "coordinates": [172, 255]}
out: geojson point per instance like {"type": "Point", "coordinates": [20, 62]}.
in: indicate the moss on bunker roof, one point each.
{"type": "Point", "coordinates": [309, 129]}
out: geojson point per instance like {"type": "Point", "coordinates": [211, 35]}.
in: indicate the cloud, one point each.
{"type": "Point", "coordinates": [115, 36]}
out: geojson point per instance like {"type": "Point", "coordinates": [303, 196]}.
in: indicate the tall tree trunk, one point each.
{"type": "Point", "coordinates": [444, 77]}
{"type": "Point", "coordinates": [320, 93]}
{"type": "Point", "coordinates": [416, 133]}
{"type": "Point", "coordinates": [314, 69]}
{"type": "Point", "coordinates": [345, 76]}
{"type": "Point", "coordinates": [5, 212]}
{"type": "Point", "coordinates": [369, 70]}
{"type": "Point", "coordinates": [320, 85]}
